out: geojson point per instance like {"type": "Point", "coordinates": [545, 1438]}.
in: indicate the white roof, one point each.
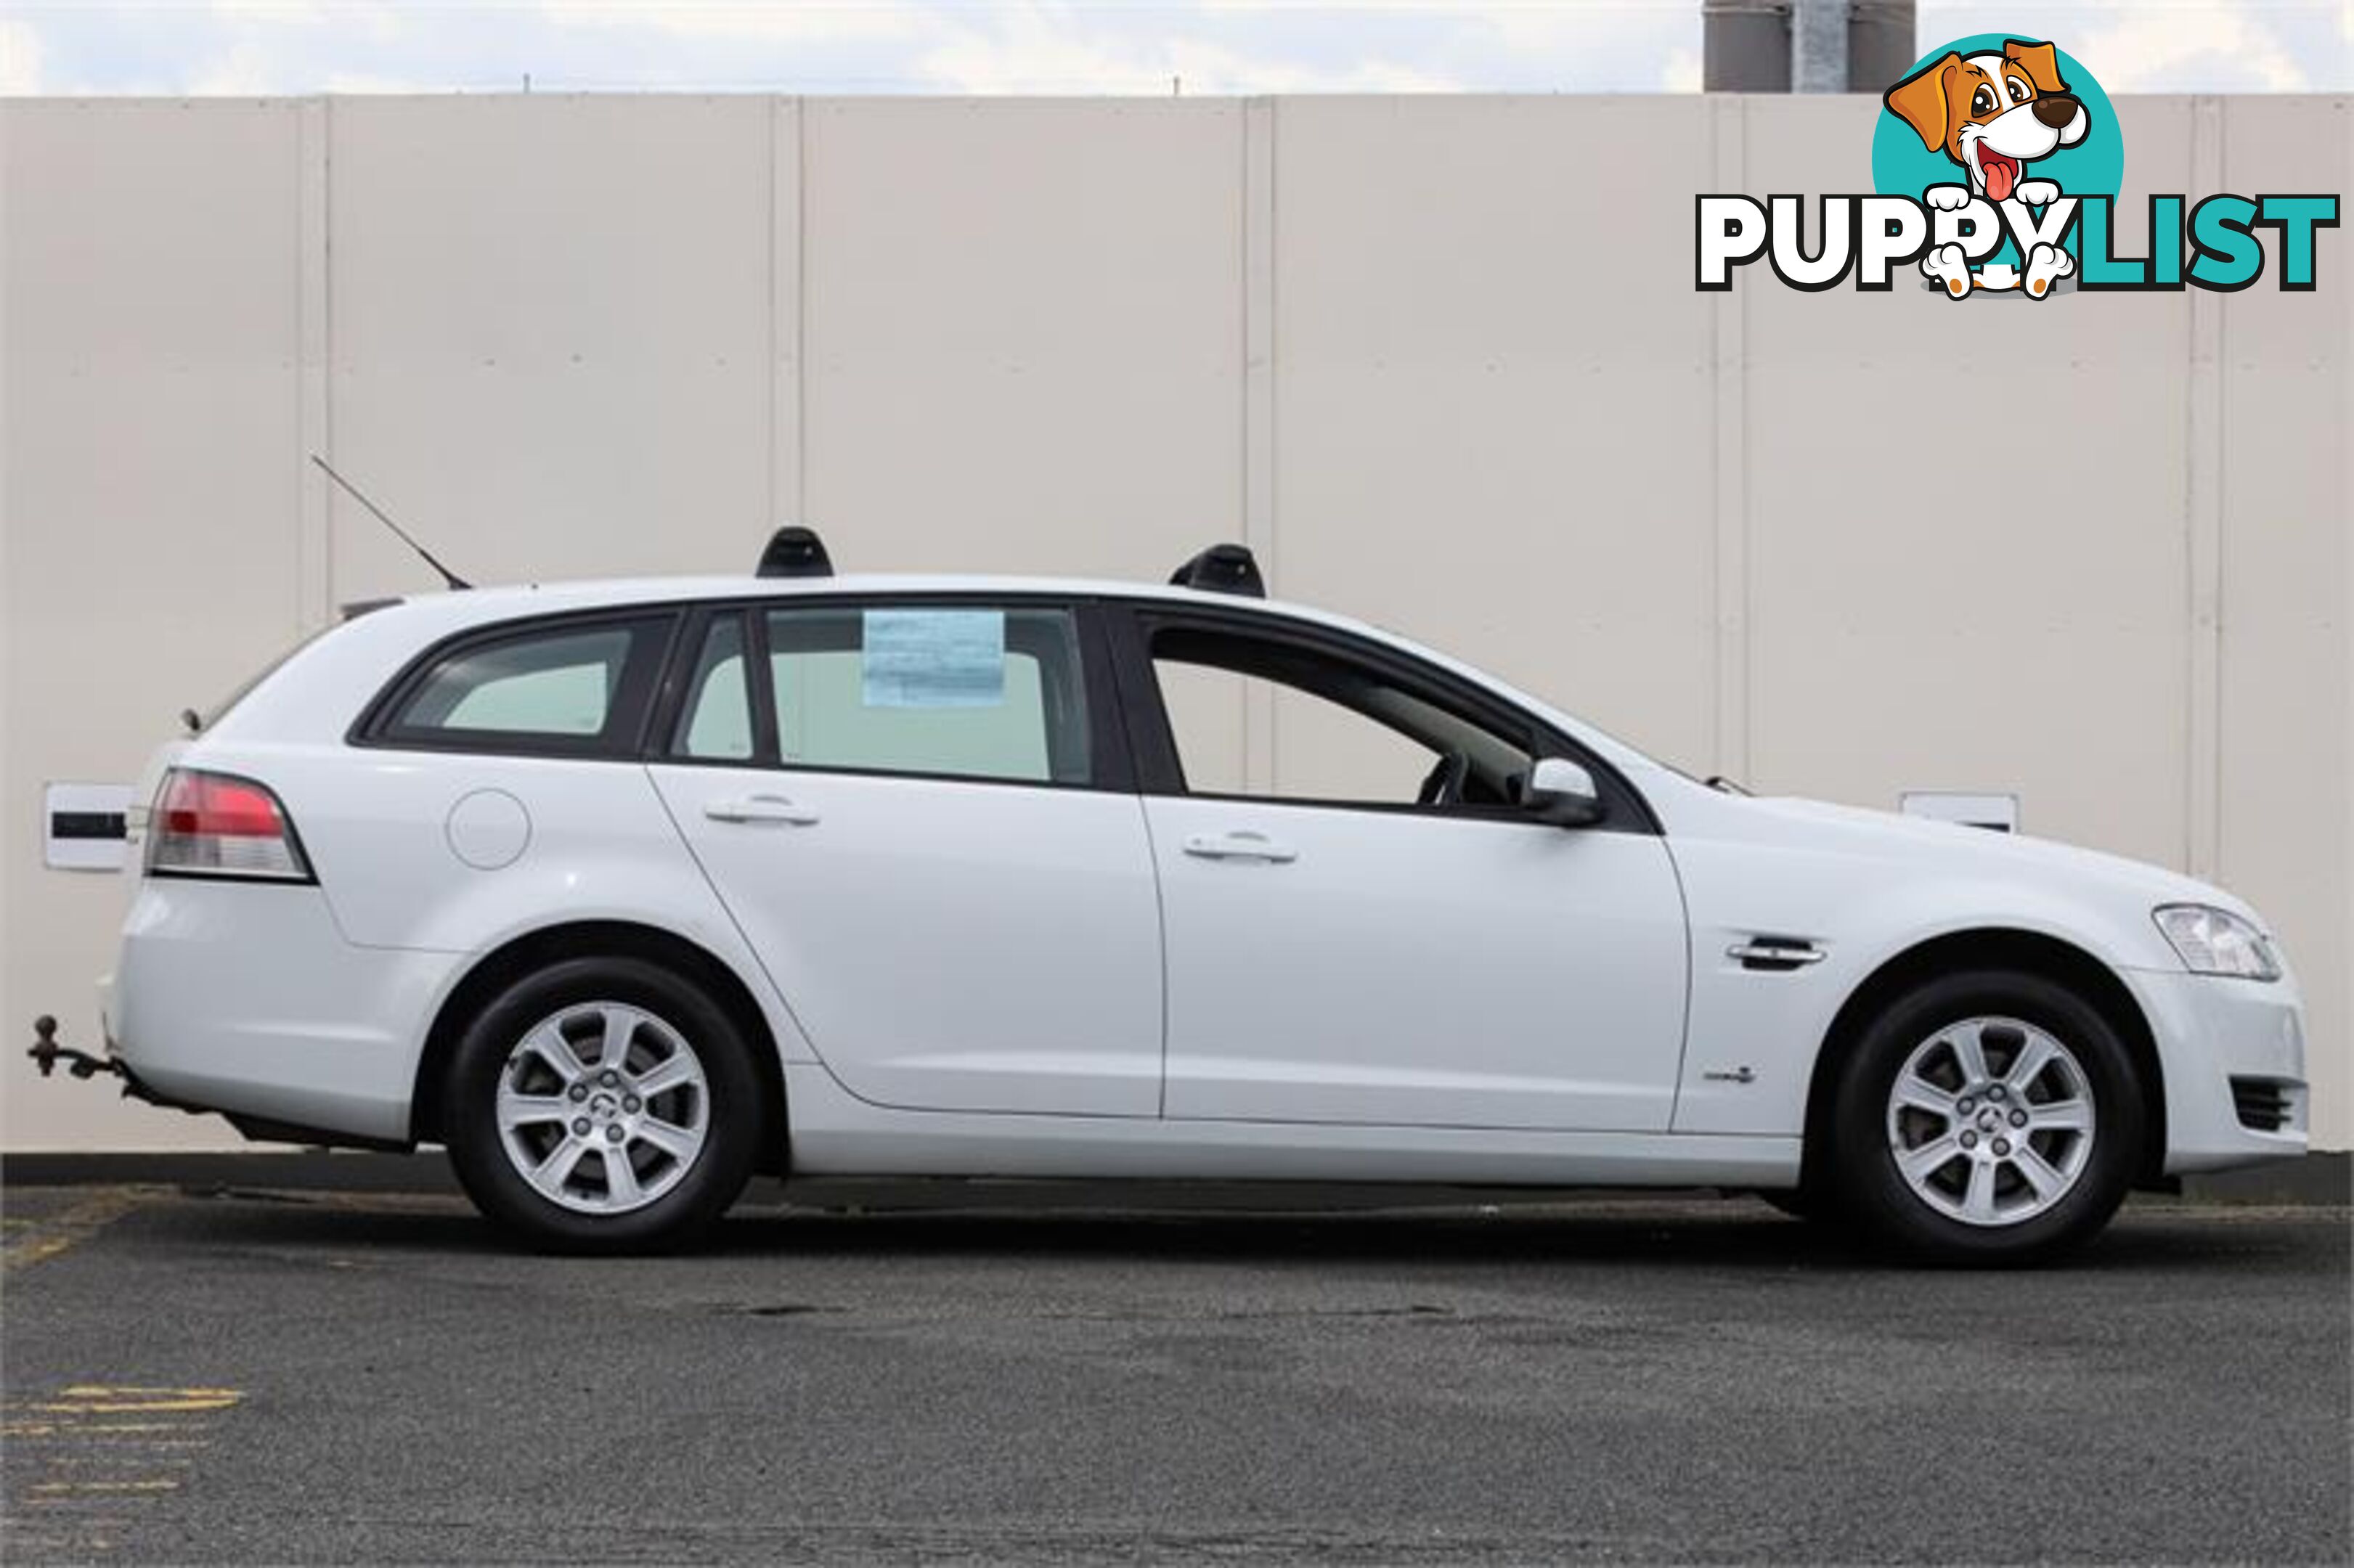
{"type": "Point", "coordinates": [454, 611]}
{"type": "Point", "coordinates": [522, 597]}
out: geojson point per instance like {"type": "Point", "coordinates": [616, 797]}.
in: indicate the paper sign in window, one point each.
{"type": "Point", "coordinates": [933, 658]}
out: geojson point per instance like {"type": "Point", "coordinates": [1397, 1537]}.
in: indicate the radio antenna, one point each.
{"type": "Point", "coordinates": [449, 577]}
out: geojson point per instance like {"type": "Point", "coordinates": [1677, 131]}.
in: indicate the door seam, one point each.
{"type": "Point", "coordinates": [1161, 914]}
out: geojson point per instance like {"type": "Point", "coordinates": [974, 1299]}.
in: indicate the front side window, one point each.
{"type": "Point", "coordinates": [568, 686]}
{"type": "Point", "coordinates": [958, 691]}
{"type": "Point", "coordinates": [1352, 735]}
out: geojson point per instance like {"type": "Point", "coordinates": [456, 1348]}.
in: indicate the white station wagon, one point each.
{"type": "Point", "coordinates": [626, 891]}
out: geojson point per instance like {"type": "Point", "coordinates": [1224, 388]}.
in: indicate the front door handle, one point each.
{"type": "Point", "coordinates": [1240, 847]}
{"type": "Point", "coordinates": [759, 809]}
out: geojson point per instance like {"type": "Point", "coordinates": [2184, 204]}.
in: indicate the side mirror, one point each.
{"type": "Point", "coordinates": [1562, 793]}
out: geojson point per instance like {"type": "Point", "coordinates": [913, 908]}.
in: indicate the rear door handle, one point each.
{"type": "Point", "coordinates": [1240, 847]}
{"type": "Point", "coordinates": [759, 809]}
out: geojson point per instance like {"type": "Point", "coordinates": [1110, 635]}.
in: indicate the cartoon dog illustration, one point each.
{"type": "Point", "coordinates": [1993, 114]}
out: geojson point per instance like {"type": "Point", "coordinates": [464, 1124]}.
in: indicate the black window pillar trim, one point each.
{"type": "Point", "coordinates": [761, 686]}
{"type": "Point", "coordinates": [1144, 719]}
{"type": "Point", "coordinates": [1112, 761]}
{"type": "Point", "coordinates": [685, 650]}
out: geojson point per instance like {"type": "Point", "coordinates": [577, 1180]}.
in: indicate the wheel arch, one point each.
{"type": "Point", "coordinates": [2031, 952]}
{"type": "Point", "coordinates": [502, 966]}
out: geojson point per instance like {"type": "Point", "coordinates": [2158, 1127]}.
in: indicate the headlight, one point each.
{"type": "Point", "coordinates": [2217, 942]}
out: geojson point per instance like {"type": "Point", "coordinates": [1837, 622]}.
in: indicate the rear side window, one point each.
{"type": "Point", "coordinates": [716, 720]}
{"type": "Point", "coordinates": [574, 687]}
{"type": "Point", "coordinates": [956, 691]}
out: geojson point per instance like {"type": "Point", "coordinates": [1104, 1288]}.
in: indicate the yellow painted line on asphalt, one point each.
{"type": "Point", "coordinates": [97, 1428]}
{"type": "Point", "coordinates": [93, 1465]}
{"type": "Point", "coordinates": [52, 1235]}
{"type": "Point", "coordinates": [92, 1399]}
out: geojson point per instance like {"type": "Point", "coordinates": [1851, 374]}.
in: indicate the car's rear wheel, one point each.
{"type": "Point", "coordinates": [1987, 1118]}
{"type": "Point", "coordinates": [603, 1105]}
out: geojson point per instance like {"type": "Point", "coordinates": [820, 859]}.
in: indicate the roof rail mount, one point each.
{"type": "Point", "coordinates": [1223, 568]}
{"type": "Point", "coordinates": [795, 552]}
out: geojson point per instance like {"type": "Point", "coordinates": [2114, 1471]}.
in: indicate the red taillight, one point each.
{"type": "Point", "coordinates": [217, 824]}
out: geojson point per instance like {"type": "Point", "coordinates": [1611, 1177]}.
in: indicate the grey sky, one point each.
{"type": "Point", "coordinates": [276, 46]}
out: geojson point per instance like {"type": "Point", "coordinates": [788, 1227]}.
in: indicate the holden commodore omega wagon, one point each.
{"type": "Point", "coordinates": [626, 891]}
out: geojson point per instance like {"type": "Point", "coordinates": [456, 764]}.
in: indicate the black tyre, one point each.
{"type": "Point", "coordinates": [1987, 1118]}
{"type": "Point", "coordinates": [603, 1105]}
{"type": "Point", "coordinates": [1803, 1204]}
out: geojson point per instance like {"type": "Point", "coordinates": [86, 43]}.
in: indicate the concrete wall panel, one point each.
{"type": "Point", "coordinates": [1491, 401]}
{"type": "Point", "coordinates": [148, 313]}
{"type": "Point", "coordinates": [2285, 784]}
{"type": "Point", "coordinates": [550, 330]}
{"type": "Point", "coordinates": [1966, 530]}
{"type": "Point", "coordinates": [1023, 327]}
{"type": "Point", "coordinates": [1439, 359]}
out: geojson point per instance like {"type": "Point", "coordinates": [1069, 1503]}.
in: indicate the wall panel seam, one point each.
{"type": "Point", "coordinates": [1728, 372]}
{"type": "Point", "coordinates": [1259, 217]}
{"type": "Point", "coordinates": [787, 316]}
{"type": "Point", "coordinates": [769, 379]}
{"type": "Point", "coordinates": [315, 381]}
{"type": "Point", "coordinates": [801, 309]}
{"type": "Point", "coordinates": [2202, 499]}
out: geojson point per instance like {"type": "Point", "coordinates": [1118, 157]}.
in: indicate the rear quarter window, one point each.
{"type": "Point", "coordinates": [574, 687]}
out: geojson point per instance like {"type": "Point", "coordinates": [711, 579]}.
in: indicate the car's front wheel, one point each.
{"type": "Point", "coordinates": [1987, 1117]}
{"type": "Point", "coordinates": [603, 1105]}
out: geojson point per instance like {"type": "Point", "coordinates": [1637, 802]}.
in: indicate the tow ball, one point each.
{"type": "Point", "coordinates": [47, 1054]}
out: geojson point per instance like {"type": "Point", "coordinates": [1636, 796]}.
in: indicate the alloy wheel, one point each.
{"type": "Point", "coordinates": [1990, 1122]}
{"type": "Point", "coordinates": [603, 1107]}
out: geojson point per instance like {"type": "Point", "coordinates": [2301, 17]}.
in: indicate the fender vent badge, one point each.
{"type": "Point", "coordinates": [1775, 954]}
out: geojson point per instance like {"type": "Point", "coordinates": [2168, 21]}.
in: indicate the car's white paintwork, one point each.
{"type": "Point", "coordinates": [988, 979]}
{"type": "Point", "coordinates": [1407, 969]}
{"type": "Point", "coordinates": [948, 946]}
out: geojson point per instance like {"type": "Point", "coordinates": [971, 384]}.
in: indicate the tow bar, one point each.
{"type": "Point", "coordinates": [47, 1054]}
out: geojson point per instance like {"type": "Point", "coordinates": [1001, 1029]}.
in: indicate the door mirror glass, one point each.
{"type": "Point", "coordinates": [1562, 792]}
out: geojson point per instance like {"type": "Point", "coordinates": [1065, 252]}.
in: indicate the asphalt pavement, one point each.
{"type": "Point", "coordinates": [198, 1376]}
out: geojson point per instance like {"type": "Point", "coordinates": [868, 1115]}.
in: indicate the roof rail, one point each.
{"type": "Point", "coordinates": [795, 552]}
{"type": "Point", "coordinates": [1223, 568]}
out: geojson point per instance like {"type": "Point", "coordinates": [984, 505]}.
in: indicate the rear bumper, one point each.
{"type": "Point", "coordinates": [246, 998]}
{"type": "Point", "coordinates": [2210, 1031]}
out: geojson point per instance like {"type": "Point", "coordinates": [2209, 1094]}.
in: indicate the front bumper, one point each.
{"type": "Point", "coordinates": [2210, 1029]}
{"type": "Point", "coordinates": [246, 998]}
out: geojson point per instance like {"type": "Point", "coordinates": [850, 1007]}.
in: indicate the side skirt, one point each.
{"type": "Point", "coordinates": [836, 1135]}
